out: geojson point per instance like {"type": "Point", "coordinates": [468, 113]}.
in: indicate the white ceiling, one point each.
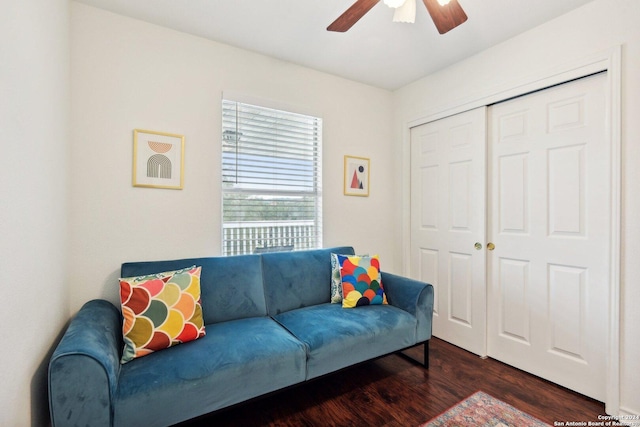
{"type": "Point", "coordinates": [374, 51]}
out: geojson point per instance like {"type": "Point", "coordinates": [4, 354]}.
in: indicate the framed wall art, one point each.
{"type": "Point", "coordinates": [356, 176]}
{"type": "Point", "coordinates": [158, 159]}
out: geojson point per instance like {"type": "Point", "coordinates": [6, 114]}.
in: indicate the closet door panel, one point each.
{"type": "Point", "coordinates": [448, 197]}
{"type": "Point", "coordinates": [549, 218]}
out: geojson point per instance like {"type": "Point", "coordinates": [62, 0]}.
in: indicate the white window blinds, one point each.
{"type": "Point", "coordinates": [271, 179]}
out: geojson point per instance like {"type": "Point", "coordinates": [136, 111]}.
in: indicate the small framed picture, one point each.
{"type": "Point", "coordinates": [158, 159]}
{"type": "Point", "coordinates": [356, 176]}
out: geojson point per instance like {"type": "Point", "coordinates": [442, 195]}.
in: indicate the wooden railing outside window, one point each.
{"type": "Point", "coordinates": [268, 236]}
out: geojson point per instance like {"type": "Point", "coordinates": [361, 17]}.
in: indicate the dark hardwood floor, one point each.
{"type": "Point", "coordinates": [395, 392]}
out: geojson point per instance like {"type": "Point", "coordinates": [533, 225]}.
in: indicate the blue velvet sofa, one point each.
{"type": "Point", "coordinates": [269, 325]}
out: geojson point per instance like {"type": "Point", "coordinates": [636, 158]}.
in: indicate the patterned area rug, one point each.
{"type": "Point", "coordinates": [483, 410]}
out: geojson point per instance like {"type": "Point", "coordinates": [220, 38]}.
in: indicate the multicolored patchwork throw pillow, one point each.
{"type": "Point", "coordinates": [361, 281]}
{"type": "Point", "coordinates": [160, 310]}
{"type": "Point", "coordinates": [336, 278]}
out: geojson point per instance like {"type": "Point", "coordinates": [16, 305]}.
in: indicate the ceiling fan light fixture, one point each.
{"type": "Point", "coordinates": [445, 16]}
{"type": "Point", "coordinates": [394, 3]}
{"type": "Point", "coordinates": [406, 12]}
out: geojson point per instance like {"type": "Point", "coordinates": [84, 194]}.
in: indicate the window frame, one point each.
{"type": "Point", "coordinates": [295, 182]}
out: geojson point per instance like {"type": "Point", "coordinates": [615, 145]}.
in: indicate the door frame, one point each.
{"type": "Point", "coordinates": [609, 61]}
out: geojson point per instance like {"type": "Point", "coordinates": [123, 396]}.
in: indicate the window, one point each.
{"type": "Point", "coordinates": [271, 180]}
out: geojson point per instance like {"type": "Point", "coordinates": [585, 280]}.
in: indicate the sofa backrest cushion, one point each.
{"type": "Point", "coordinates": [298, 279]}
{"type": "Point", "coordinates": [231, 287]}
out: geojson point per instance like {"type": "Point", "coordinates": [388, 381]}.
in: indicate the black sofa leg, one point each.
{"type": "Point", "coordinates": [425, 363]}
{"type": "Point", "coordinates": [426, 354]}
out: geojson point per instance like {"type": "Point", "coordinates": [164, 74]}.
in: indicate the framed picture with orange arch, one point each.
{"type": "Point", "coordinates": [158, 159]}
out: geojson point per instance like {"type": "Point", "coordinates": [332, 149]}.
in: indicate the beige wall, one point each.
{"type": "Point", "coordinates": [34, 130]}
{"type": "Point", "coordinates": [127, 74]}
{"type": "Point", "coordinates": [596, 27]}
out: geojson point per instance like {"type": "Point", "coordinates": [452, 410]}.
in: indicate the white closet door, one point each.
{"type": "Point", "coordinates": [448, 205]}
{"type": "Point", "coordinates": [549, 199]}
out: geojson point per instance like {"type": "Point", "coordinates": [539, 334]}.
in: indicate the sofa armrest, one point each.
{"type": "Point", "coordinates": [413, 296]}
{"type": "Point", "coordinates": [84, 368]}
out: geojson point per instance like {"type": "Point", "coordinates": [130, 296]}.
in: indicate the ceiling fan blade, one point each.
{"type": "Point", "coordinates": [445, 17]}
{"type": "Point", "coordinates": [352, 15]}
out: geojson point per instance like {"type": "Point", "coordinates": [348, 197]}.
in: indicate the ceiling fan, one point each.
{"type": "Point", "coordinates": [446, 14]}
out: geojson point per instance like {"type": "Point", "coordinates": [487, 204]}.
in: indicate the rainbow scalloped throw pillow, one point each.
{"type": "Point", "coordinates": [160, 310]}
{"type": "Point", "coordinates": [336, 279]}
{"type": "Point", "coordinates": [361, 281]}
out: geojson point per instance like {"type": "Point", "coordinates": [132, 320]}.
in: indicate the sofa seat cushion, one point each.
{"type": "Point", "coordinates": [337, 337]}
{"type": "Point", "coordinates": [235, 361]}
